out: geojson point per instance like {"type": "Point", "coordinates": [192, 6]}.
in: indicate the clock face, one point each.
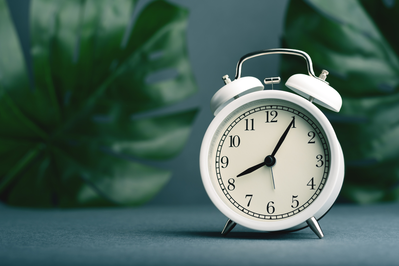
{"type": "Point", "coordinates": [269, 160]}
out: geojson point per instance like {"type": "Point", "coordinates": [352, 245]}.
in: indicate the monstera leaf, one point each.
{"type": "Point", "coordinates": [356, 42]}
{"type": "Point", "coordinates": [73, 136]}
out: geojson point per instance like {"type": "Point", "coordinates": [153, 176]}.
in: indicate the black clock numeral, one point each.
{"type": "Point", "coordinates": [311, 184]}
{"type": "Point", "coordinates": [311, 135]}
{"type": "Point", "coordinates": [234, 141]}
{"type": "Point", "coordinates": [270, 208]}
{"type": "Point", "coordinates": [320, 161]}
{"type": "Point", "coordinates": [293, 122]}
{"type": "Point", "coordinates": [249, 124]}
{"type": "Point", "coordinates": [295, 202]}
{"type": "Point", "coordinates": [271, 117]}
{"type": "Point", "coordinates": [250, 198]}
{"type": "Point", "coordinates": [224, 161]}
{"type": "Point", "coordinates": [231, 185]}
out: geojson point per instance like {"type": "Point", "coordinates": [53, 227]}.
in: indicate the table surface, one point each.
{"type": "Point", "coordinates": [190, 235]}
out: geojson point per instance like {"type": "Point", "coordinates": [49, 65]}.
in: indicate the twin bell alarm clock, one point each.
{"type": "Point", "coordinates": [270, 159]}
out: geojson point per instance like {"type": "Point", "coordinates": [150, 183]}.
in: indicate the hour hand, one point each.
{"type": "Point", "coordinates": [251, 169]}
{"type": "Point", "coordinates": [269, 161]}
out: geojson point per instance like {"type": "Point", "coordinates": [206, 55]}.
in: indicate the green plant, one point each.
{"type": "Point", "coordinates": [70, 139]}
{"type": "Point", "coordinates": [356, 42]}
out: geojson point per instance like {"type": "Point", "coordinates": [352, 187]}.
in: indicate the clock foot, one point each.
{"type": "Point", "coordinates": [314, 225]}
{"type": "Point", "coordinates": [228, 227]}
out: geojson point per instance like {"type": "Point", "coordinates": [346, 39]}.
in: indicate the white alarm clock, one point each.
{"type": "Point", "coordinates": [270, 160]}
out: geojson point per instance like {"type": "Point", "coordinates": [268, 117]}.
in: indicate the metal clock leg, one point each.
{"type": "Point", "coordinates": [228, 227]}
{"type": "Point", "coordinates": [314, 225]}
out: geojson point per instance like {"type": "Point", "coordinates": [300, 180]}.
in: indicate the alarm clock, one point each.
{"type": "Point", "coordinates": [270, 159]}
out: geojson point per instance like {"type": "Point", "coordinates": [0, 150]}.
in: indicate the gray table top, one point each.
{"type": "Point", "coordinates": [190, 235]}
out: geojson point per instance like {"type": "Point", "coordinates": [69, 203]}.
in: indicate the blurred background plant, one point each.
{"type": "Point", "coordinates": [73, 132]}
{"type": "Point", "coordinates": [354, 41]}
{"type": "Point", "coordinates": [131, 59]}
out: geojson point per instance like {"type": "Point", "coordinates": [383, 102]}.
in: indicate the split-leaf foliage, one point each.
{"type": "Point", "coordinates": [70, 136]}
{"type": "Point", "coordinates": [356, 42]}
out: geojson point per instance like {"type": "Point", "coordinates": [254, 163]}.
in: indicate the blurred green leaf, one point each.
{"type": "Point", "coordinates": [356, 42]}
{"type": "Point", "coordinates": [70, 141]}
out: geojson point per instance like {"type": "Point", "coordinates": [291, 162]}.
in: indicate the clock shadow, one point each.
{"type": "Point", "coordinates": [270, 235]}
{"type": "Point", "coordinates": [254, 235]}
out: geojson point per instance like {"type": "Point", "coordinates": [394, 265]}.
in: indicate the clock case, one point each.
{"type": "Point", "coordinates": [312, 90]}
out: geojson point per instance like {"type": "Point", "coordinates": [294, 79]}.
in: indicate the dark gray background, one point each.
{"type": "Point", "coordinates": [219, 32]}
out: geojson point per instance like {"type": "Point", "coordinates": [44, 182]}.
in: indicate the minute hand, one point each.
{"type": "Point", "coordinates": [280, 141]}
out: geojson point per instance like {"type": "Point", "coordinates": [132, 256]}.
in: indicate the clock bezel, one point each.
{"type": "Point", "coordinates": [320, 205]}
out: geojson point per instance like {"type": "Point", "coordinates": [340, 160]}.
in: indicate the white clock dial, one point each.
{"type": "Point", "coordinates": [269, 160]}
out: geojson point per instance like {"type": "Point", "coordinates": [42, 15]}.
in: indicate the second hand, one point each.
{"type": "Point", "coordinates": [271, 170]}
